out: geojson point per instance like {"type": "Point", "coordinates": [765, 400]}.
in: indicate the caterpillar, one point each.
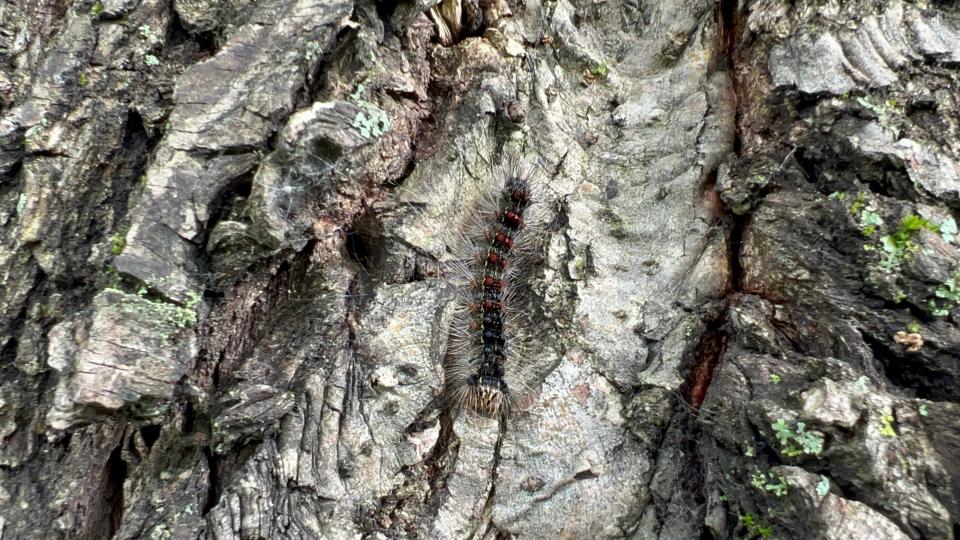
{"type": "Point", "coordinates": [482, 368]}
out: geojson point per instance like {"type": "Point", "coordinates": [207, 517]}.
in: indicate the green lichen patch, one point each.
{"type": "Point", "coordinates": [371, 121]}
{"type": "Point", "coordinates": [948, 230]}
{"type": "Point", "coordinates": [117, 243]}
{"type": "Point", "coordinates": [165, 314]}
{"type": "Point", "coordinates": [797, 441]}
{"type": "Point", "coordinates": [869, 221]}
{"type": "Point", "coordinates": [947, 297]}
{"type": "Point", "coordinates": [886, 425]}
{"type": "Point", "coordinates": [770, 482]}
{"type": "Point", "coordinates": [313, 50]}
{"type": "Point", "coordinates": [823, 486]}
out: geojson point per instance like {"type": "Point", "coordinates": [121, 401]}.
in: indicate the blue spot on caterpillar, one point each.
{"type": "Point", "coordinates": [483, 354]}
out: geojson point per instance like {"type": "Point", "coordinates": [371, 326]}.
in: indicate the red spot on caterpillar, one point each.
{"type": "Point", "coordinates": [490, 305]}
{"type": "Point", "coordinates": [520, 197]}
{"type": "Point", "coordinates": [503, 240]}
{"type": "Point", "coordinates": [496, 260]}
{"type": "Point", "coordinates": [491, 282]}
{"type": "Point", "coordinates": [511, 219]}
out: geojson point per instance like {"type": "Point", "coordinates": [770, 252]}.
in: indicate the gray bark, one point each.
{"type": "Point", "coordinates": [224, 228]}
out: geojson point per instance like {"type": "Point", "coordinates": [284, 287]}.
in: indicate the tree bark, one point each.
{"type": "Point", "coordinates": [226, 232]}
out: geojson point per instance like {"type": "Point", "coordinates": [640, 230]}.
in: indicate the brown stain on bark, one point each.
{"type": "Point", "coordinates": [707, 357]}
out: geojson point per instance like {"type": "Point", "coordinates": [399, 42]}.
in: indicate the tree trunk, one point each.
{"type": "Point", "coordinates": [227, 228]}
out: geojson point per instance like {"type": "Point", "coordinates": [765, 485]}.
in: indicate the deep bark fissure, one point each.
{"type": "Point", "coordinates": [707, 354]}
{"type": "Point", "coordinates": [213, 482]}
{"type": "Point", "coordinates": [711, 347]}
{"type": "Point", "coordinates": [712, 344]}
{"type": "Point", "coordinates": [116, 474]}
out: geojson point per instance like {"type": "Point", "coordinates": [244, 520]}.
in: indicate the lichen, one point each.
{"type": "Point", "coordinates": [371, 121]}
{"type": "Point", "coordinates": [798, 441]}
{"type": "Point", "coordinates": [160, 310]}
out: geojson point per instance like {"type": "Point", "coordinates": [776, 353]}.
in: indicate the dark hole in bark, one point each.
{"type": "Point", "coordinates": [134, 131]}
{"type": "Point", "coordinates": [472, 20]}
{"type": "Point", "coordinates": [728, 13]}
{"type": "Point", "coordinates": [208, 42]}
{"type": "Point", "coordinates": [737, 229]}
{"type": "Point", "coordinates": [9, 177]}
{"type": "Point", "coordinates": [364, 245]}
{"type": "Point", "coordinates": [150, 434]}
{"type": "Point", "coordinates": [116, 474]}
{"type": "Point", "coordinates": [327, 151]}
{"type": "Point", "coordinates": [385, 9]}
{"type": "Point", "coordinates": [585, 475]}
{"type": "Point", "coordinates": [357, 248]}
{"type": "Point", "coordinates": [213, 486]}
{"type": "Point", "coordinates": [128, 166]}
{"type": "Point", "coordinates": [230, 200]}
{"type": "Point", "coordinates": [195, 45]}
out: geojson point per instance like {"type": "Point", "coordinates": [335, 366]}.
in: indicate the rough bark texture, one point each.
{"type": "Point", "coordinates": [224, 313]}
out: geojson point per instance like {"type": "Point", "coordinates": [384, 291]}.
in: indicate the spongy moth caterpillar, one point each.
{"type": "Point", "coordinates": [483, 365]}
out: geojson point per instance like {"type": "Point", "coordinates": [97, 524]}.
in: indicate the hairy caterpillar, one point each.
{"type": "Point", "coordinates": [486, 349]}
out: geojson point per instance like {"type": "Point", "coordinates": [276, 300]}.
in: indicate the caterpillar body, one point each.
{"type": "Point", "coordinates": [482, 368]}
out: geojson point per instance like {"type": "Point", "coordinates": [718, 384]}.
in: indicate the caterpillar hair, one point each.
{"type": "Point", "coordinates": [483, 364]}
